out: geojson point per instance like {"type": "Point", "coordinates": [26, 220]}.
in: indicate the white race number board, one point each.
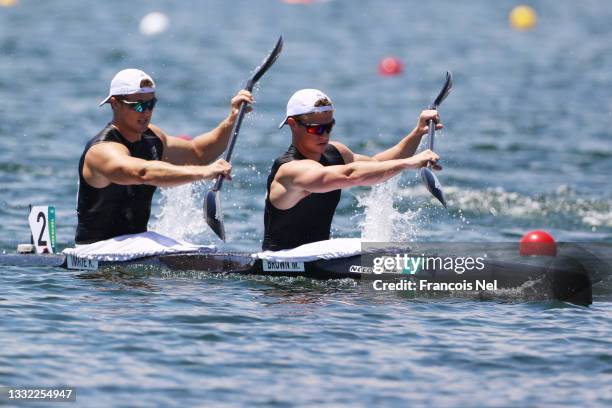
{"type": "Point", "coordinates": [42, 226]}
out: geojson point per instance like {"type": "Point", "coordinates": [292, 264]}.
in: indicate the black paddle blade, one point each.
{"type": "Point", "coordinates": [266, 64]}
{"type": "Point", "coordinates": [433, 185]}
{"type": "Point", "coordinates": [213, 213]}
{"type": "Point", "coordinates": [446, 88]}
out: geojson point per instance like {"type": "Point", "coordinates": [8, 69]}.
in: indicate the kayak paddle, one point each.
{"type": "Point", "coordinates": [212, 203]}
{"type": "Point", "coordinates": [427, 175]}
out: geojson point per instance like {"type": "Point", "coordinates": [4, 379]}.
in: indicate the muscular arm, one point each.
{"type": "Point", "coordinates": [209, 145]}
{"type": "Point", "coordinates": [297, 179]}
{"type": "Point", "coordinates": [409, 144]}
{"type": "Point", "coordinates": [405, 148]}
{"type": "Point", "coordinates": [110, 162]}
{"type": "Point", "coordinates": [201, 150]}
{"type": "Point", "coordinates": [315, 178]}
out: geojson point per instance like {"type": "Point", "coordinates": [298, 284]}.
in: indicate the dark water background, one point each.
{"type": "Point", "coordinates": [526, 145]}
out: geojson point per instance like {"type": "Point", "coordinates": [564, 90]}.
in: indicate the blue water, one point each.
{"type": "Point", "coordinates": [526, 145]}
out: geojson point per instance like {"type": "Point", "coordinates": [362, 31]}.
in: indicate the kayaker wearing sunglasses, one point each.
{"type": "Point", "coordinates": [122, 165]}
{"type": "Point", "coordinates": [304, 185]}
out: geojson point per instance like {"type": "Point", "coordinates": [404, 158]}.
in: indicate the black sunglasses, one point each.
{"type": "Point", "coordinates": [140, 106]}
{"type": "Point", "coordinates": [317, 129]}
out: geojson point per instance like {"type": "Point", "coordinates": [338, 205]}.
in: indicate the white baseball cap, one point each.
{"type": "Point", "coordinates": [307, 101]}
{"type": "Point", "coordinates": [130, 81]}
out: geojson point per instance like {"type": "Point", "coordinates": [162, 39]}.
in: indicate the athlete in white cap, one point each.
{"type": "Point", "coordinates": [305, 182]}
{"type": "Point", "coordinates": [122, 165]}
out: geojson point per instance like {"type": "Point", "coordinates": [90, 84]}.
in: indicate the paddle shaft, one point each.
{"type": "Point", "coordinates": [234, 137]}
{"type": "Point", "coordinates": [432, 132]}
{"type": "Point", "coordinates": [434, 106]}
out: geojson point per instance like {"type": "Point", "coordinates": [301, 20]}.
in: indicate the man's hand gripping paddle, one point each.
{"type": "Point", "coordinates": [212, 204]}
{"type": "Point", "coordinates": [427, 175]}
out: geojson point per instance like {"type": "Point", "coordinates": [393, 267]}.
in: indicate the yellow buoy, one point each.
{"type": "Point", "coordinates": [523, 18]}
{"type": "Point", "coordinates": [7, 3]}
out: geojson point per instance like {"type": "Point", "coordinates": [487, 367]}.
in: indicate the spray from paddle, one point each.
{"type": "Point", "coordinates": [383, 221]}
{"type": "Point", "coordinates": [180, 214]}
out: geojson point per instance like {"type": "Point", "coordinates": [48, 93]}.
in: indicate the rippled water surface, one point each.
{"type": "Point", "coordinates": [526, 145]}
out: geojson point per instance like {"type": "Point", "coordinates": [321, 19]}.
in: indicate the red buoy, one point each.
{"type": "Point", "coordinates": [538, 243]}
{"type": "Point", "coordinates": [184, 137]}
{"type": "Point", "coordinates": [390, 66]}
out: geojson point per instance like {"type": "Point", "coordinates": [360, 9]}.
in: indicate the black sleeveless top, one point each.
{"type": "Point", "coordinates": [310, 219]}
{"type": "Point", "coordinates": [114, 210]}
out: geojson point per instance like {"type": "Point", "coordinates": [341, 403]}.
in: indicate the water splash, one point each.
{"type": "Point", "coordinates": [181, 214]}
{"type": "Point", "coordinates": [383, 222]}
{"type": "Point", "coordinates": [564, 202]}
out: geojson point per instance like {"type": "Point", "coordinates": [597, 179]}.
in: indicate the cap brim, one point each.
{"type": "Point", "coordinates": [284, 122]}
{"type": "Point", "coordinates": [105, 100]}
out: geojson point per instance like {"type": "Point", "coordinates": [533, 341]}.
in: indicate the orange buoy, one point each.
{"type": "Point", "coordinates": [390, 66]}
{"type": "Point", "coordinates": [538, 243]}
